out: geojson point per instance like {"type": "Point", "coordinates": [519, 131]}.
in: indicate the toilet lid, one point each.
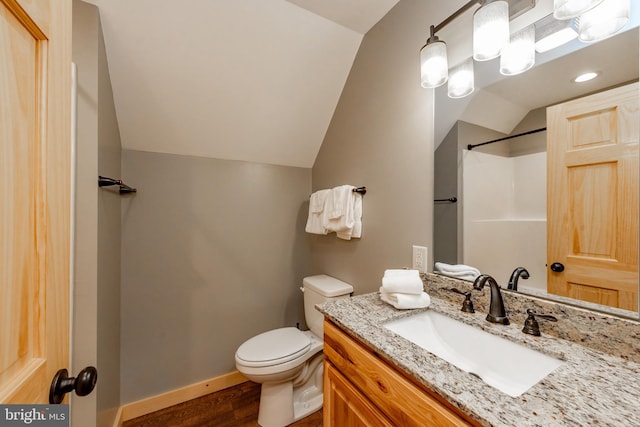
{"type": "Point", "coordinates": [274, 347]}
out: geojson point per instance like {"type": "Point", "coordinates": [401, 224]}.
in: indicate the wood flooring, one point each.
{"type": "Point", "coordinates": [233, 407]}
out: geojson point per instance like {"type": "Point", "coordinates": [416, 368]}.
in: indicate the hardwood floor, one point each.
{"type": "Point", "coordinates": [233, 407]}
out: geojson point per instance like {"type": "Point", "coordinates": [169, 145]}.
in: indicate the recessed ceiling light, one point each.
{"type": "Point", "coordinates": [585, 77]}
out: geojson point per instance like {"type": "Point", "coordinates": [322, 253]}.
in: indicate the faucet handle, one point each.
{"type": "Point", "coordinates": [467, 304]}
{"type": "Point", "coordinates": [531, 325]}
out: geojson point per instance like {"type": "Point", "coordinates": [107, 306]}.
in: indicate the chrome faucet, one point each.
{"type": "Point", "coordinates": [497, 312]}
{"type": "Point", "coordinates": [517, 273]}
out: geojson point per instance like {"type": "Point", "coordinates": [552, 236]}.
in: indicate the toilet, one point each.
{"type": "Point", "coordinates": [288, 361]}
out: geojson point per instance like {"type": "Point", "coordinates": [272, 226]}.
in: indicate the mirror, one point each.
{"type": "Point", "coordinates": [499, 107]}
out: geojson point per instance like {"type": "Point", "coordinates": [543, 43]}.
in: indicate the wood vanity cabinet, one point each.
{"type": "Point", "coordinates": [361, 389]}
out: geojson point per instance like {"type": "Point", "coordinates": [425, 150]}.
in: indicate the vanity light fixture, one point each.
{"type": "Point", "coordinates": [461, 81]}
{"type": "Point", "coordinates": [491, 34]}
{"type": "Point", "coordinates": [585, 77]}
{"type": "Point", "coordinates": [551, 32]}
{"type": "Point", "coordinates": [567, 9]}
{"type": "Point", "coordinates": [604, 20]}
{"type": "Point", "coordinates": [433, 62]}
{"type": "Point", "coordinates": [520, 54]}
{"type": "Point", "coordinates": [490, 29]}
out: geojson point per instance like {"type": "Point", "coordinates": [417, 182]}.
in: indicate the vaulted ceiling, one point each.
{"type": "Point", "coordinates": [252, 80]}
{"type": "Point", "coordinates": [259, 80]}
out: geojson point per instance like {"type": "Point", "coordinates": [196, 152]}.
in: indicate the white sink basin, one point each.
{"type": "Point", "coordinates": [510, 367]}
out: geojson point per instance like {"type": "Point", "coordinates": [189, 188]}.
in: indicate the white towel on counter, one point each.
{"type": "Point", "coordinates": [402, 281]}
{"type": "Point", "coordinates": [316, 210]}
{"type": "Point", "coordinates": [405, 301]}
{"type": "Point", "coordinates": [458, 271]}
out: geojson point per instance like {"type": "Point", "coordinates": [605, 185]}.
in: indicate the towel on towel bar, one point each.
{"type": "Point", "coordinates": [405, 301]}
{"type": "Point", "coordinates": [458, 271]}
{"type": "Point", "coordinates": [338, 210]}
{"type": "Point", "coordinates": [402, 281]}
{"type": "Point", "coordinates": [316, 209]}
{"type": "Point", "coordinates": [353, 222]}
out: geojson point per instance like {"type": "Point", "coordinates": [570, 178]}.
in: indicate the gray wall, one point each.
{"type": "Point", "coordinates": [381, 137]}
{"type": "Point", "coordinates": [96, 324]}
{"type": "Point", "coordinates": [445, 214]}
{"type": "Point", "coordinates": [534, 143]}
{"type": "Point", "coordinates": [213, 253]}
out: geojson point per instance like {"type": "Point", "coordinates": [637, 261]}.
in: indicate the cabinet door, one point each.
{"type": "Point", "coordinates": [592, 198]}
{"type": "Point", "coordinates": [344, 405]}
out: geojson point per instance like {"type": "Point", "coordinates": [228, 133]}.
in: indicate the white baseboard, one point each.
{"type": "Point", "coordinates": [174, 397]}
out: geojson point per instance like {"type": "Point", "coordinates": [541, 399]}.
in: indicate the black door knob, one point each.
{"type": "Point", "coordinates": [83, 384]}
{"type": "Point", "coordinates": [557, 267]}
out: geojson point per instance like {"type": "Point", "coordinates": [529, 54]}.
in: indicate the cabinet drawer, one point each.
{"type": "Point", "coordinates": [401, 401]}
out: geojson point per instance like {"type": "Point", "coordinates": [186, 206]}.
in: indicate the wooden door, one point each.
{"type": "Point", "coordinates": [35, 132]}
{"type": "Point", "coordinates": [592, 198]}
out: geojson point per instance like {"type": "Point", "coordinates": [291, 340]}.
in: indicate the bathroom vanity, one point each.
{"type": "Point", "coordinates": [388, 398]}
{"type": "Point", "coordinates": [373, 376]}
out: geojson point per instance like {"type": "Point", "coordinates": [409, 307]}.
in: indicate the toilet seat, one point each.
{"type": "Point", "coordinates": [273, 347]}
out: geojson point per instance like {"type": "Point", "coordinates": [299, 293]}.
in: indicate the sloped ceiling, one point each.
{"type": "Point", "coordinates": [252, 80]}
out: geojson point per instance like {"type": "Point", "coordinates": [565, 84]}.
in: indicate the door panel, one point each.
{"type": "Point", "coordinates": [34, 195]}
{"type": "Point", "coordinates": [593, 197]}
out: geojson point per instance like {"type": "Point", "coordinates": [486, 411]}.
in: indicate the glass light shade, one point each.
{"type": "Point", "coordinates": [520, 54]}
{"type": "Point", "coordinates": [604, 20]}
{"type": "Point", "coordinates": [433, 64]}
{"type": "Point", "coordinates": [551, 33]}
{"type": "Point", "coordinates": [567, 9]}
{"type": "Point", "coordinates": [490, 30]}
{"type": "Point", "coordinates": [461, 80]}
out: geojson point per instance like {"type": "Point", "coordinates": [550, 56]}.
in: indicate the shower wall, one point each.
{"type": "Point", "coordinates": [504, 215]}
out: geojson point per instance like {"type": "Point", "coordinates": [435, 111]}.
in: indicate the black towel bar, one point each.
{"type": "Point", "coordinates": [104, 181]}
{"type": "Point", "coordinates": [449, 200]}
{"type": "Point", "coordinates": [361, 190]}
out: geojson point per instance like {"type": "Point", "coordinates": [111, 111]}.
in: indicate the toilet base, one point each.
{"type": "Point", "coordinates": [276, 408]}
{"type": "Point", "coordinates": [275, 405]}
{"type": "Point", "coordinates": [308, 398]}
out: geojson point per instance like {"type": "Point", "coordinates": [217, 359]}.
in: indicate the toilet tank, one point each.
{"type": "Point", "coordinates": [318, 289]}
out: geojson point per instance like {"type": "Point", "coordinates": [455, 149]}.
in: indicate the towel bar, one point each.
{"type": "Point", "coordinates": [361, 190]}
{"type": "Point", "coordinates": [449, 200]}
{"type": "Point", "coordinates": [104, 181]}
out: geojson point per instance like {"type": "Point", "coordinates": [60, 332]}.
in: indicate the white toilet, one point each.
{"type": "Point", "coordinates": [288, 362]}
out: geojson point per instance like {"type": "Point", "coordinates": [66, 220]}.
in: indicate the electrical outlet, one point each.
{"type": "Point", "coordinates": [419, 258]}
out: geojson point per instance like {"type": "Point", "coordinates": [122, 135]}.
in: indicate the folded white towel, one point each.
{"type": "Point", "coordinates": [401, 272]}
{"type": "Point", "coordinates": [353, 220]}
{"type": "Point", "coordinates": [402, 281]}
{"type": "Point", "coordinates": [458, 271]}
{"type": "Point", "coordinates": [316, 209]}
{"type": "Point", "coordinates": [336, 209]}
{"type": "Point", "coordinates": [405, 301]}
{"type": "Point", "coordinates": [470, 277]}
{"type": "Point", "coordinates": [405, 285]}
{"type": "Point", "coordinates": [357, 211]}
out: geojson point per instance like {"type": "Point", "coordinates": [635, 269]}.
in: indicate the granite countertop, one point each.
{"type": "Point", "coordinates": [590, 388]}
